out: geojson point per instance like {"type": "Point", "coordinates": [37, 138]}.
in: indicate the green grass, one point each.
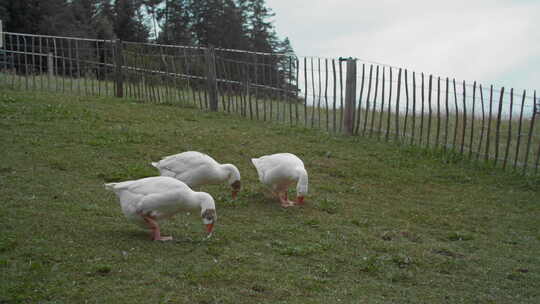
{"type": "Point", "coordinates": [382, 223]}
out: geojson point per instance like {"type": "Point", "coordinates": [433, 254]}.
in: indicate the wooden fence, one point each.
{"type": "Point", "coordinates": [341, 95]}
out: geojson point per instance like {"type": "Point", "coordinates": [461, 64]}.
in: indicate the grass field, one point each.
{"type": "Point", "coordinates": [382, 224]}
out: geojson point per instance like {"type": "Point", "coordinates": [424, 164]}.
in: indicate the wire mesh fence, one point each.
{"type": "Point", "coordinates": [337, 95]}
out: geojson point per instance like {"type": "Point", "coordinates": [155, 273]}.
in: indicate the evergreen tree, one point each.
{"type": "Point", "coordinates": [234, 35]}
{"type": "Point", "coordinates": [261, 33]}
{"type": "Point", "coordinates": [34, 16]}
{"type": "Point", "coordinates": [84, 12]}
{"type": "Point", "coordinates": [174, 22]}
{"type": "Point", "coordinates": [129, 20]}
{"type": "Point", "coordinates": [206, 17]}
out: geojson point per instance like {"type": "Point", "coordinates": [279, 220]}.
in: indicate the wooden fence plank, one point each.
{"type": "Point", "coordinates": [147, 76]}
{"type": "Point", "coordinates": [509, 139]}
{"type": "Point", "coordinates": [210, 56]}
{"type": "Point", "coordinates": [398, 96]}
{"type": "Point", "coordinates": [249, 91]}
{"type": "Point", "coordinates": [280, 97]}
{"type": "Point", "coordinates": [16, 46]}
{"type": "Point", "coordinates": [456, 115]}
{"type": "Point", "coordinates": [464, 129]}
{"type": "Point", "coordinates": [430, 109]}
{"type": "Point", "coordinates": [478, 152]}
{"type": "Point", "coordinates": [164, 87]}
{"type": "Point", "coordinates": [383, 90]}
{"type": "Point", "coordinates": [422, 111]}
{"type": "Point", "coordinates": [268, 95]}
{"type": "Point", "coordinates": [518, 144]}
{"type": "Point", "coordinates": [256, 93]}
{"type": "Point", "coordinates": [314, 96]}
{"type": "Point", "coordinates": [350, 97]}
{"type": "Point", "coordinates": [24, 65]}
{"type": "Point", "coordinates": [50, 64]}
{"type": "Point", "coordinates": [63, 59]}
{"type": "Point", "coordinates": [319, 97]}
{"type": "Point", "coordinates": [68, 58]}
{"type": "Point", "coordinates": [119, 74]}
{"type": "Point", "coordinates": [406, 104]}
{"type": "Point", "coordinates": [289, 82]}
{"type": "Point", "coordinates": [174, 81]}
{"type": "Point", "coordinates": [471, 140]}
{"type": "Point", "coordinates": [335, 95]}
{"type": "Point", "coordinates": [296, 102]}
{"type": "Point", "coordinates": [498, 127]}
{"type": "Point", "coordinates": [341, 107]}
{"type": "Point", "coordinates": [447, 112]}
{"type": "Point", "coordinates": [40, 59]}
{"type": "Point", "coordinates": [263, 95]}
{"type": "Point", "coordinates": [305, 93]}
{"type": "Point", "coordinates": [387, 135]}
{"type": "Point", "coordinates": [138, 73]}
{"type": "Point", "coordinates": [359, 113]}
{"type": "Point", "coordinates": [374, 101]}
{"type": "Point", "coordinates": [414, 108]}
{"type": "Point", "coordinates": [438, 132]}
{"type": "Point", "coordinates": [30, 63]}
{"type": "Point", "coordinates": [490, 118]}
{"type": "Point", "coordinates": [78, 61]}
{"type": "Point", "coordinates": [367, 99]}
{"type": "Point", "coordinates": [326, 93]}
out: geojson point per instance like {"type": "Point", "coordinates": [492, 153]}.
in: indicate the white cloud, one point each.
{"type": "Point", "coordinates": [489, 41]}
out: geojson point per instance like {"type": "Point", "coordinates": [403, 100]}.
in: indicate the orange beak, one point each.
{"type": "Point", "coordinates": [209, 227]}
{"type": "Point", "coordinates": [300, 200]}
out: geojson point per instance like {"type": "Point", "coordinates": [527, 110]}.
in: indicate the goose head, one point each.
{"type": "Point", "coordinates": [236, 186]}
{"type": "Point", "coordinates": [233, 179]}
{"type": "Point", "coordinates": [208, 211]}
{"type": "Point", "coordinates": [209, 217]}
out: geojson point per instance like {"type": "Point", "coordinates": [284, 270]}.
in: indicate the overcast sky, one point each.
{"type": "Point", "coordinates": [490, 41]}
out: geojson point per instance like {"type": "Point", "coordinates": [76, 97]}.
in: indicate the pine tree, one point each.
{"type": "Point", "coordinates": [233, 24]}
{"type": "Point", "coordinates": [261, 33]}
{"type": "Point", "coordinates": [206, 17]}
{"type": "Point", "coordinates": [129, 21]}
{"type": "Point", "coordinates": [174, 22]}
{"type": "Point", "coordinates": [35, 16]}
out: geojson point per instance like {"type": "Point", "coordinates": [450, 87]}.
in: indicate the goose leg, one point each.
{"type": "Point", "coordinates": [155, 231]}
{"type": "Point", "coordinates": [285, 200]}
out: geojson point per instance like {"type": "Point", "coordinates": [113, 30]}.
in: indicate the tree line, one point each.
{"type": "Point", "coordinates": [233, 24]}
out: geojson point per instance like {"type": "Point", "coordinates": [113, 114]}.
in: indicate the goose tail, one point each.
{"type": "Point", "coordinates": [110, 186]}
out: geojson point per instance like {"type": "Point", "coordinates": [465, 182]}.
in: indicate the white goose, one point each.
{"type": "Point", "coordinates": [146, 201]}
{"type": "Point", "coordinates": [278, 171]}
{"type": "Point", "coordinates": [197, 169]}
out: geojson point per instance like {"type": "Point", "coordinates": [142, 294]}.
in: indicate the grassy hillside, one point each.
{"type": "Point", "coordinates": [382, 223]}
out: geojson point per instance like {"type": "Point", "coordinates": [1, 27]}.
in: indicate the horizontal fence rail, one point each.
{"type": "Point", "coordinates": [341, 95]}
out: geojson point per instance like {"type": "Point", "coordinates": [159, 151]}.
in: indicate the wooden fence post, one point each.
{"type": "Point", "coordinates": [350, 97]}
{"type": "Point", "coordinates": [1, 35]}
{"type": "Point", "coordinates": [118, 61]}
{"type": "Point", "coordinates": [50, 64]}
{"type": "Point", "coordinates": [211, 78]}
